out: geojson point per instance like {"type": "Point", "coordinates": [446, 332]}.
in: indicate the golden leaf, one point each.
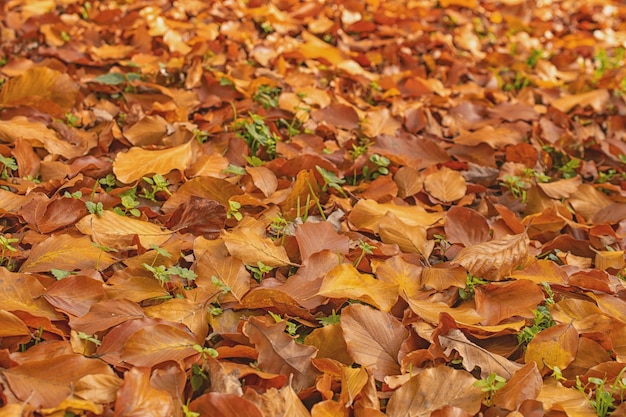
{"type": "Point", "coordinates": [137, 162]}
{"type": "Point", "coordinates": [445, 185]}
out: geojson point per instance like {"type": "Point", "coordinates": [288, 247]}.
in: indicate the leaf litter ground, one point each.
{"type": "Point", "coordinates": [273, 208]}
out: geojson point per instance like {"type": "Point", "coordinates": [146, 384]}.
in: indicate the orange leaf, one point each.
{"type": "Point", "coordinates": [252, 248]}
{"type": "Point", "coordinates": [597, 99]}
{"type": "Point", "coordinates": [541, 270]}
{"type": "Point", "coordinates": [410, 239]}
{"type": "Point", "coordinates": [525, 384]}
{"type": "Point", "coordinates": [495, 259]}
{"type": "Point", "coordinates": [316, 237]}
{"type": "Point", "coordinates": [378, 121]}
{"type": "Point", "coordinates": [330, 343]}
{"type": "Point", "coordinates": [264, 179]}
{"type": "Point", "coordinates": [466, 226]}
{"type": "Point", "coordinates": [353, 380]}
{"type": "Point", "coordinates": [224, 405]}
{"type": "Point", "coordinates": [554, 346]}
{"type": "Point", "coordinates": [423, 393]}
{"type": "Point", "coordinates": [443, 276]}
{"type": "Point", "coordinates": [406, 276]}
{"type": "Point", "coordinates": [345, 281]}
{"type": "Point", "coordinates": [106, 314]}
{"type": "Point", "coordinates": [474, 355]}
{"type": "Point", "coordinates": [23, 292]}
{"type": "Point", "coordinates": [137, 396]}
{"type": "Point", "coordinates": [42, 88]}
{"type": "Point", "coordinates": [373, 339]}
{"type": "Point", "coordinates": [184, 311]}
{"type": "Point", "coordinates": [11, 325]}
{"type": "Point", "coordinates": [445, 185]}
{"type": "Point", "coordinates": [497, 302]}
{"type": "Point", "coordinates": [229, 270]}
{"type": "Point", "coordinates": [150, 346]}
{"type": "Point", "coordinates": [137, 163]}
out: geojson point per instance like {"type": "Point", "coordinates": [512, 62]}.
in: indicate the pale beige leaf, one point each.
{"type": "Point", "coordinates": [474, 355]}
{"type": "Point", "coordinates": [114, 231]}
{"type": "Point", "coordinates": [496, 259]}
{"type": "Point", "coordinates": [137, 163]}
{"type": "Point", "coordinates": [445, 185]}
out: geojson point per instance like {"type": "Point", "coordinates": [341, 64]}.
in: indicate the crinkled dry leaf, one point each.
{"type": "Point", "coordinates": [473, 355]}
{"type": "Point", "coordinates": [496, 259]}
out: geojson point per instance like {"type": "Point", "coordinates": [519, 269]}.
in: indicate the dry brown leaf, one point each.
{"type": "Point", "coordinates": [422, 394]}
{"type": "Point", "coordinates": [111, 230]}
{"type": "Point", "coordinates": [473, 355]}
{"type": "Point", "coordinates": [252, 248]}
{"type": "Point", "coordinates": [525, 384]}
{"type": "Point", "coordinates": [152, 345]}
{"type": "Point", "coordinates": [496, 259]}
{"type": "Point", "coordinates": [410, 239]}
{"type": "Point", "coordinates": [596, 99]}
{"type": "Point", "coordinates": [554, 346]}
{"type": "Point", "coordinates": [373, 339]}
{"type": "Point", "coordinates": [367, 215]}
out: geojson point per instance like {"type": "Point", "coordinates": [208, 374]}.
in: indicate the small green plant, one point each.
{"type": "Point", "coordinates": [516, 186]}
{"type": "Point", "coordinates": [8, 166]}
{"type": "Point", "coordinates": [59, 274]}
{"type": "Point", "coordinates": [233, 210]}
{"type": "Point", "coordinates": [267, 27]}
{"type": "Point", "coordinates": [381, 164]}
{"type": "Point", "coordinates": [331, 180]}
{"type": "Point", "coordinates": [366, 249]}
{"type": "Point", "coordinates": [604, 62]}
{"type": "Point", "coordinates": [360, 148]}
{"type": "Point", "coordinates": [95, 208]}
{"type": "Point", "coordinates": [199, 378]}
{"type": "Point", "coordinates": [6, 245]}
{"type": "Point", "coordinates": [291, 329]}
{"type": "Point", "coordinates": [102, 249]}
{"type": "Point", "coordinates": [163, 274]}
{"type": "Point", "coordinates": [157, 184]}
{"type": "Point", "coordinates": [200, 135]}
{"type": "Point", "coordinates": [71, 119]}
{"type": "Point", "coordinates": [601, 397]}
{"type": "Point", "coordinates": [206, 351]}
{"type": "Point", "coordinates": [568, 170]}
{"type": "Point", "coordinates": [267, 96]}
{"type": "Point", "coordinates": [259, 270]}
{"type": "Point", "coordinates": [224, 289]}
{"type": "Point", "coordinates": [257, 135]}
{"type": "Point", "coordinates": [235, 170]}
{"type": "Point", "coordinates": [471, 282]}
{"type": "Point", "coordinates": [543, 320]}
{"type": "Point", "coordinates": [108, 182]}
{"type": "Point", "coordinates": [89, 338]}
{"type": "Point", "coordinates": [535, 55]}
{"type": "Point", "coordinates": [490, 385]}
{"type": "Point", "coordinates": [328, 320]}
{"type": "Point", "coordinates": [75, 195]}
{"type": "Point", "coordinates": [129, 204]}
{"type": "Point", "coordinates": [188, 413]}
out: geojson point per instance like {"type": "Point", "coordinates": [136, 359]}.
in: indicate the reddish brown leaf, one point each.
{"type": "Point", "coordinates": [316, 237]}
{"type": "Point", "coordinates": [279, 353]}
{"type": "Point", "coordinates": [226, 405]}
{"type": "Point", "coordinates": [466, 226]}
{"type": "Point", "coordinates": [525, 384]}
{"type": "Point", "coordinates": [152, 345]}
{"type": "Point", "coordinates": [137, 397]}
{"type": "Point", "coordinates": [497, 302]}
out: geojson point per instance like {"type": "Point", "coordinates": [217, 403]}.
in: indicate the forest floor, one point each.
{"type": "Point", "coordinates": [317, 208]}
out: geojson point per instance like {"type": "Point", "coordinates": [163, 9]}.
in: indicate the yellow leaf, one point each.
{"type": "Point", "coordinates": [495, 259]}
{"type": "Point", "coordinates": [445, 185]}
{"type": "Point", "coordinates": [114, 231]}
{"type": "Point", "coordinates": [554, 346]}
{"type": "Point", "coordinates": [251, 248]}
{"type": "Point", "coordinates": [60, 252]}
{"type": "Point", "coordinates": [42, 88]}
{"type": "Point", "coordinates": [137, 162]}
{"type": "Point", "coordinates": [367, 215]}
{"type": "Point", "coordinates": [597, 99]}
{"type": "Point", "coordinates": [345, 281]}
{"type": "Point", "coordinates": [410, 239]}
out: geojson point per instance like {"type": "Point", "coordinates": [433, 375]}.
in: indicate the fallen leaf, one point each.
{"type": "Point", "coordinates": [137, 163]}
{"type": "Point", "coordinates": [554, 346]}
{"type": "Point", "coordinates": [252, 248]}
{"type": "Point", "coordinates": [422, 394]}
{"type": "Point", "coordinates": [373, 339]}
{"type": "Point", "coordinates": [445, 185]}
{"type": "Point", "coordinates": [137, 396]}
{"type": "Point", "coordinates": [496, 259]}
{"type": "Point", "coordinates": [525, 384]}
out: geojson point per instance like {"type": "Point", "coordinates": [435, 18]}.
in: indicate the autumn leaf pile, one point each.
{"type": "Point", "coordinates": [320, 208]}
